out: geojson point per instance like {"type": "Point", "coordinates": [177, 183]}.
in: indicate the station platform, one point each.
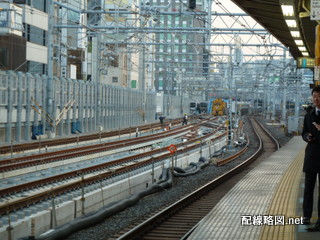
{"type": "Point", "coordinates": [265, 204]}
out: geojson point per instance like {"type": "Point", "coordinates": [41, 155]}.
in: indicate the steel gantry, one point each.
{"type": "Point", "coordinates": [164, 46]}
{"type": "Point", "coordinates": [107, 59]}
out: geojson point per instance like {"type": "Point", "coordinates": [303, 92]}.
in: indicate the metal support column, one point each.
{"type": "Point", "coordinates": [86, 108]}
{"type": "Point", "coordinates": [230, 87]}
{"type": "Point", "coordinates": [297, 95]}
{"type": "Point", "coordinates": [63, 88]}
{"type": "Point", "coordinates": [28, 107]}
{"type": "Point", "coordinates": [19, 106]}
{"type": "Point", "coordinates": [92, 104]}
{"type": "Point", "coordinates": [273, 100]}
{"type": "Point", "coordinates": [42, 100]}
{"type": "Point", "coordinates": [105, 106]}
{"type": "Point", "coordinates": [50, 95]}
{"type": "Point", "coordinates": [8, 137]}
{"type": "Point", "coordinates": [284, 101]}
{"type": "Point", "coordinates": [80, 106]}
{"type": "Point", "coordinates": [75, 106]}
{"type": "Point", "coordinates": [36, 98]}
{"type": "Point", "coordinates": [96, 49]}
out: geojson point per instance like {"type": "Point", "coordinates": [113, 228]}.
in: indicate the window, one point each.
{"type": "Point", "coordinates": [3, 97]}
{"type": "Point", "coordinates": [114, 61]}
{"type": "Point", "coordinates": [114, 79]}
{"type": "Point", "coordinates": [35, 35]}
{"type": "Point", "coordinates": [20, 1]}
{"type": "Point", "coordinates": [36, 67]}
{"type": "Point", "coordinates": [74, 17]}
{"type": "Point", "coordinates": [3, 57]}
{"type": "Point", "coordinates": [3, 18]}
{"type": "Point", "coordinates": [39, 4]}
{"type": "Point", "coordinates": [114, 58]}
{"type": "Point", "coordinates": [125, 62]}
{"type": "Point", "coordinates": [18, 21]}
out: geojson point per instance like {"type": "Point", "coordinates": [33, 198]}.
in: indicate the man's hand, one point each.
{"type": "Point", "coordinates": [310, 138]}
{"type": "Point", "coordinates": [316, 125]}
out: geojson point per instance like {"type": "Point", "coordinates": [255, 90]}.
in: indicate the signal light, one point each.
{"type": "Point", "coordinates": [192, 4]}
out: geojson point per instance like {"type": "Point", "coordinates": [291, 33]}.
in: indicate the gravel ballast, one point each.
{"type": "Point", "coordinates": [181, 187]}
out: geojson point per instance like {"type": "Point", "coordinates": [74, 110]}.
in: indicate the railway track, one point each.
{"type": "Point", "coordinates": [178, 220]}
{"type": "Point", "coordinates": [75, 179]}
{"type": "Point", "coordinates": [52, 156]}
{"type": "Point", "coordinates": [44, 143]}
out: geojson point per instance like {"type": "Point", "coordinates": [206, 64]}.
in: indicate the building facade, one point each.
{"type": "Point", "coordinates": [23, 34]}
{"type": "Point", "coordinates": [181, 50]}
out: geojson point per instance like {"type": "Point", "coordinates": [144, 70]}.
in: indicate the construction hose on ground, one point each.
{"type": "Point", "coordinates": [192, 169]}
{"type": "Point", "coordinates": [218, 153]}
{"type": "Point", "coordinates": [96, 217]}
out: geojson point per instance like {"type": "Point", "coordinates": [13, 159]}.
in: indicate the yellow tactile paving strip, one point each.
{"type": "Point", "coordinates": [284, 202]}
{"type": "Point", "coordinates": [246, 209]}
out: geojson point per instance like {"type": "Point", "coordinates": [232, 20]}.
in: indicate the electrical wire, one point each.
{"type": "Point", "coordinates": [145, 18]}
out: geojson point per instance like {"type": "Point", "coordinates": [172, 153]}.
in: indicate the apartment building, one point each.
{"type": "Point", "coordinates": [180, 53]}
{"type": "Point", "coordinates": [23, 34]}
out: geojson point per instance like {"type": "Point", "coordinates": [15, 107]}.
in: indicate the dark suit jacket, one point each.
{"type": "Point", "coordinates": [312, 152]}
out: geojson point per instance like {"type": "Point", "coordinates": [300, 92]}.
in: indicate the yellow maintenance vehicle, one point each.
{"type": "Point", "coordinates": [218, 107]}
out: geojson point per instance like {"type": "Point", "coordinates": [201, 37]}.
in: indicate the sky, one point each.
{"type": "Point", "coordinates": [241, 22]}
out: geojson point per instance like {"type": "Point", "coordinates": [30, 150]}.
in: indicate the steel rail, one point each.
{"type": "Point", "coordinates": [81, 138]}
{"type": "Point", "coordinates": [43, 158]}
{"type": "Point", "coordinates": [233, 157]}
{"type": "Point", "coordinates": [13, 205]}
{"type": "Point", "coordinates": [140, 230]}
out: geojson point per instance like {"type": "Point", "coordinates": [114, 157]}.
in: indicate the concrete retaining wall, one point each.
{"type": "Point", "coordinates": [38, 223]}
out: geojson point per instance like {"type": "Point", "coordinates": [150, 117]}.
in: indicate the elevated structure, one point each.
{"type": "Point", "coordinates": [181, 52]}
{"type": "Point", "coordinates": [270, 15]}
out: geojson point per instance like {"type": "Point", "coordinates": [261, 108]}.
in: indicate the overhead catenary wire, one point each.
{"type": "Point", "coordinates": [145, 17]}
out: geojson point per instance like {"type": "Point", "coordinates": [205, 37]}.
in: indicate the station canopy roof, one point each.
{"type": "Point", "coordinates": [268, 13]}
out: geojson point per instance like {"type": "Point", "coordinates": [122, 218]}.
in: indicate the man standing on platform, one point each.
{"type": "Point", "coordinates": [311, 166]}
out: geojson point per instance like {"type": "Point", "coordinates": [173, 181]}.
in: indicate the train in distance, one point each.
{"type": "Point", "coordinates": [200, 107]}
{"type": "Point", "coordinates": [216, 107]}
{"type": "Point", "coordinates": [219, 106]}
